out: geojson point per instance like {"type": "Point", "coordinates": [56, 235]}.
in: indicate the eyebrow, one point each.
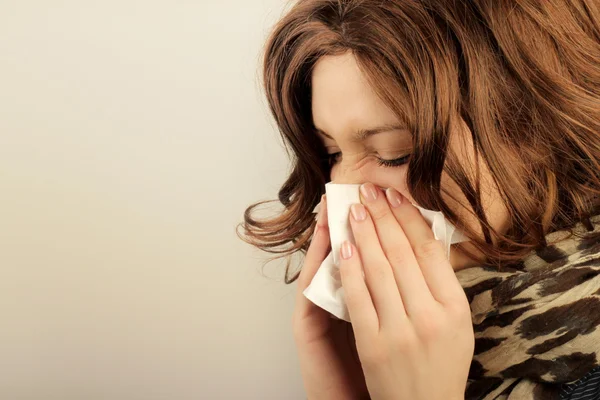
{"type": "Point", "coordinates": [363, 134]}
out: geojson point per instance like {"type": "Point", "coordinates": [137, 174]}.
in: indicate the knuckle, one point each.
{"type": "Point", "coordinates": [350, 297]}
{"type": "Point", "coordinates": [378, 272]}
{"type": "Point", "coordinates": [430, 328]}
{"type": "Point", "coordinates": [430, 248]}
{"type": "Point", "coordinates": [397, 257]}
{"type": "Point", "coordinates": [403, 341]}
{"type": "Point", "coordinates": [460, 309]}
{"type": "Point", "coordinates": [373, 357]}
{"type": "Point", "coordinates": [378, 213]}
{"type": "Point", "coordinates": [430, 321]}
{"type": "Point", "coordinates": [344, 269]}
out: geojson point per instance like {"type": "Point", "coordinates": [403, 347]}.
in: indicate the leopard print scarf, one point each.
{"type": "Point", "coordinates": [536, 324]}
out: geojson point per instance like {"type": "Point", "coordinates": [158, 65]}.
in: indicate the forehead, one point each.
{"type": "Point", "coordinates": [343, 101]}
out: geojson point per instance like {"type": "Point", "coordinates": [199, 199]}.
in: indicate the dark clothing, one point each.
{"type": "Point", "coordinates": [587, 388]}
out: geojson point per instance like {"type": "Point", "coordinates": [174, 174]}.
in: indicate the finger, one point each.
{"type": "Point", "coordinates": [408, 276]}
{"type": "Point", "coordinates": [318, 249]}
{"type": "Point", "coordinates": [317, 252]}
{"type": "Point", "coordinates": [378, 272]}
{"type": "Point", "coordinates": [356, 294]}
{"type": "Point", "coordinates": [429, 252]}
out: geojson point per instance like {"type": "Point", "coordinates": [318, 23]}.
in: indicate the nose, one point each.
{"type": "Point", "coordinates": [346, 174]}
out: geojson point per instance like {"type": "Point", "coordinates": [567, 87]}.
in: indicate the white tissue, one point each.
{"type": "Point", "coordinates": [325, 289]}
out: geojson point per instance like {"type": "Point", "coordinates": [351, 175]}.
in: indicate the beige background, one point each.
{"type": "Point", "coordinates": [132, 136]}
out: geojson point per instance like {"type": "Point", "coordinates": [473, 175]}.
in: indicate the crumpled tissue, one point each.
{"type": "Point", "coordinates": [325, 289]}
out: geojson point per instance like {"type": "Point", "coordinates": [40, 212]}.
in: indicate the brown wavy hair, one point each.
{"type": "Point", "coordinates": [524, 75]}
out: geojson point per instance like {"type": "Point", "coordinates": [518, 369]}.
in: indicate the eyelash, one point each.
{"type": "Point", "coordinates": [396, 162]}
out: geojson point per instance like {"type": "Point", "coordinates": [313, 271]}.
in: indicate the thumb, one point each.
{"type": "Point", "coordinates": [318, 249]}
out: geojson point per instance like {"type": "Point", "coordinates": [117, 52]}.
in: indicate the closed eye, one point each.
{"type": "Point", "coordinates": [396, 162]}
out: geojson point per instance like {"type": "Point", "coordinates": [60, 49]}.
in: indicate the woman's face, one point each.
{"type": "Point", "coordinates": [354, 122]}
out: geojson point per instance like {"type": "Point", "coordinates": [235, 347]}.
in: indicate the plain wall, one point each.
{"type": "Point", "coordinates": [133, 134]}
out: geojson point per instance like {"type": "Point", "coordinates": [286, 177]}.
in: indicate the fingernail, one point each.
{"type": "Point", "coordinates": [394, 197]}
{"type": "Point", "coordinates": [346, 250]}
{"type": "Point", "coordinates": [369, 191]}
{"type": "Point", "coordinates": [358, 212]}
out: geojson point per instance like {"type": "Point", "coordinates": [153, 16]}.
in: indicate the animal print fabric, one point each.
{"type": "Point", "coordinates": [536, 323]}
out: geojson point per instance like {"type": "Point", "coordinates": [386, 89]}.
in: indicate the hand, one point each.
{"type": "Point", "coordinates": [410, 315]}
{"type": "Point", "coordinates": [326, 347]}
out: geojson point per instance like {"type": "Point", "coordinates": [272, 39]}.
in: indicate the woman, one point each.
{"type": "Point", "coordinates": [485, 110]}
